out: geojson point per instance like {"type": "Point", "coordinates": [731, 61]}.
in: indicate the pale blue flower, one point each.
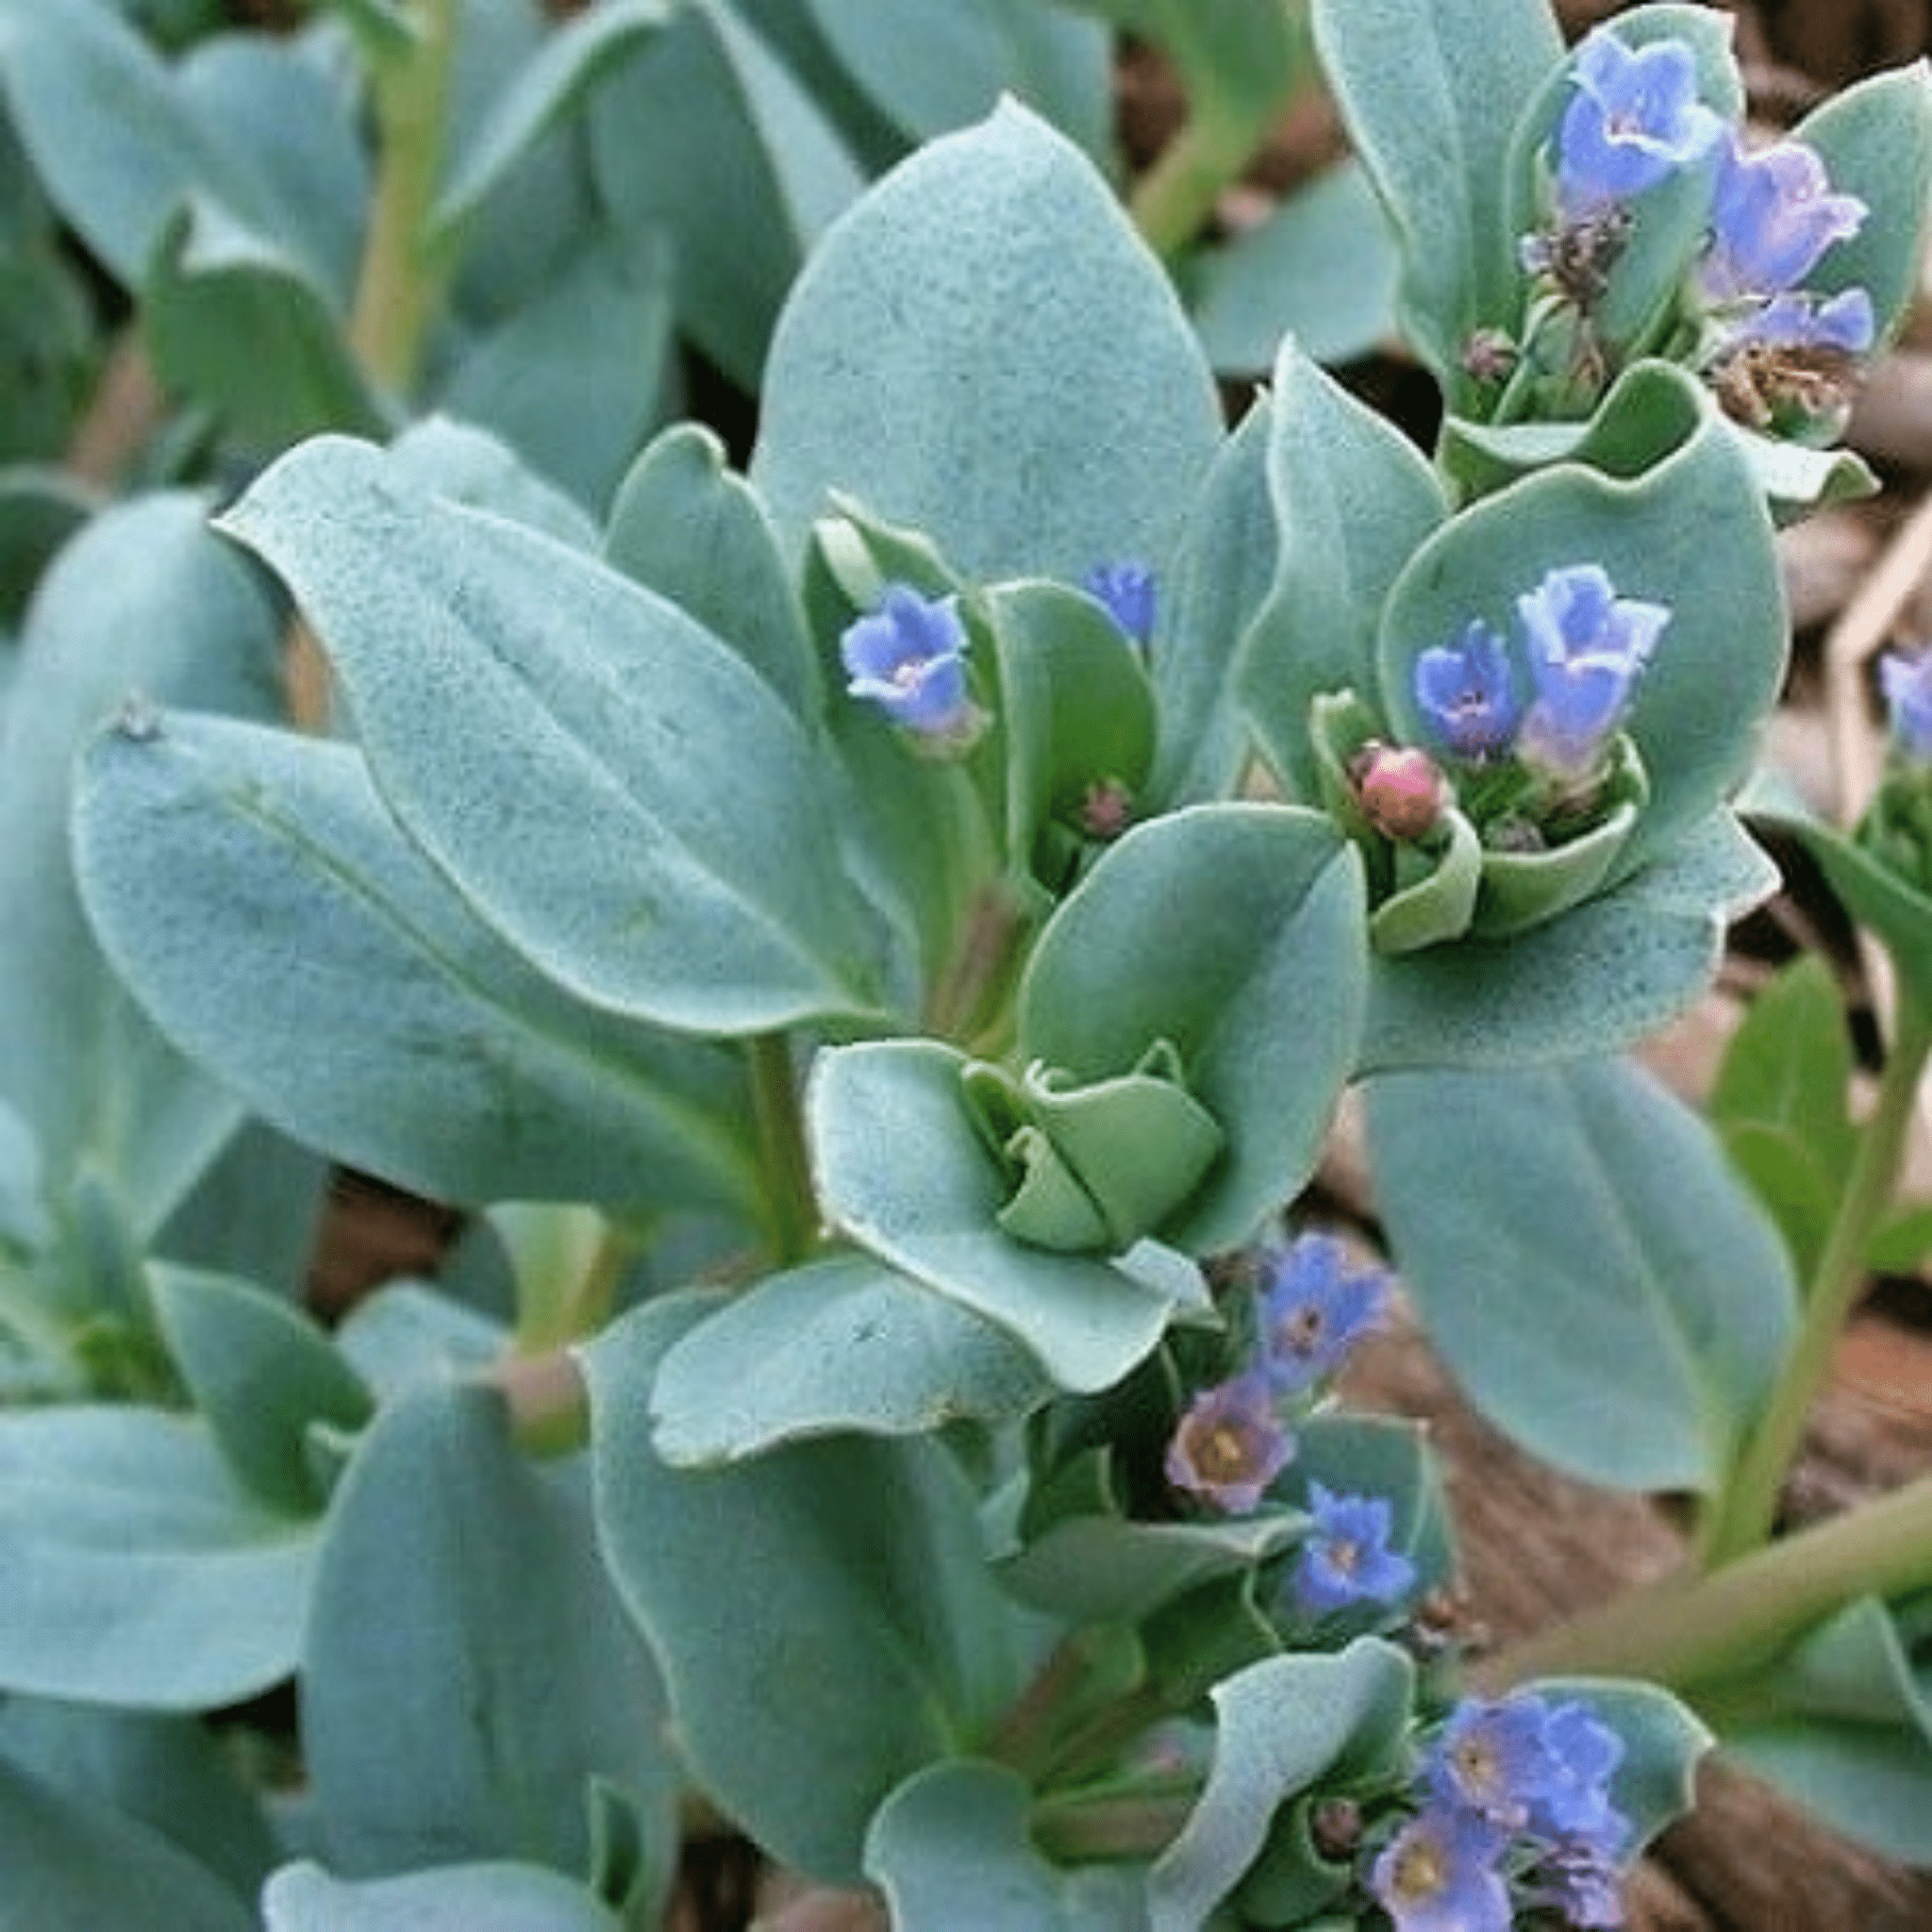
{"type": "Point", "coordinates": [1494, 1759]}
{"type": "Point", "coordinates": [908, 658]}
{"type": "Point", "coordinates": [1439, 1874]}
{"type": "Point", "coordinates": [1345, 1558]}
{"type": "Point", "coordinates": [1906, 681]}
{"type": "Point", "coordinates": [1465, 693]}
{"type": "Point", "coordinates": [1574, 1804]}
{"type": "Point", "coordinates": [1772, 216]}
{"type": "Point", "coordinates": [1314, 1307]}
{"type": "Point", "coordinates": [1634, 121]}
{"type": "Point", "coordinates": [1800, 321]}
{"type": "Point", "coordinates": [1586, 647]}
{"type": "Point", "coordinates": [1128, 591]}
{"type": "Point", "coordinates": [1229, 1446]}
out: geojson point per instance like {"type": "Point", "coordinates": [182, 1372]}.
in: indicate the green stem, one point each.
{"type": "Point", "coordinates": [1741, 1516]}
{"type": "Point", "coordinates": [792, 1206]}
{"type": "Point", "coordinates": [1689, 1629]}
{"type": "Point", "coordinates": [402, 279]}
{"type": "Point", "coordinates": [1172, 200]}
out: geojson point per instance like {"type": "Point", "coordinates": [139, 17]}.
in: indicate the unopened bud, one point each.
{"type": "Point", "coordinates": [1489, 356]}
{"type": "Point", "coordinates": [1107, 809]}
{"type": "Point", "coordinates": [1335, 1825]}
{"type": "Point", "coordinates": [1402, 789]}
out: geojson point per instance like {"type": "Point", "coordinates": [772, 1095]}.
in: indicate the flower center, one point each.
{"type": "Point", "coordinates": [1419, 1869]}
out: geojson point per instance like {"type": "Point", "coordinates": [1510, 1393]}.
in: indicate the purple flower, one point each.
{"type": "Point", "coordinates": [1586, 648]}
{"type": "Point", "coordinates": [1345, 1558]}
{"type": "Point", "coordinates": [1314, 1307]}
{"type": "Point", "coordinates": [1126, 588]}
{"type": "Point", "coordinates": [1800, 321]}
{"type": "Point", "coordinates": [1229, 1446]}
{"type": "Point", "coordinates": [1467, 695]}
{"type": "Point", "coordinates": [1439, 1874]}
{"type": "Point", "coordinates": [1772, 216]}
{"type": "Point", "coordinates": [1907, 686]}
{"type": "Point", "coordinates": [1634, 120]}
{"type": "Point", "coordinates": [909, 656]}
{"type": "Point", "coordinates": [1493, 1760]}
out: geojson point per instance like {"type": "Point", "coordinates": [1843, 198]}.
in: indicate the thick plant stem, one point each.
{"type": "Point", "coordinates": [1743, 1515]}
{"type": "Point", "coordinates": [401, 284]}
{"type": "Point", "coordinates": [1691, 1630]}
{"type": "Point", "coordinates": [791, 1209]}
{"type": "Point", "coordinates": [1172, 200]}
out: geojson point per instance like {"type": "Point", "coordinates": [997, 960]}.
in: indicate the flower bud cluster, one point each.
{"type": "Point", "coordinates": [1312, 1305]}
{"type": "Point", "coordinates": [1779, 354]}
{"type": "Point", "coordinates": [1515, 1816]}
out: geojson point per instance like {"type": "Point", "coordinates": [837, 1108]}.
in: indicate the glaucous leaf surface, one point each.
{"type": "Point", "coordinates": [69, 1861]}
{"type": "Point", "coordinates": [1594, 981]}
{"type": "Point", "coordinates": [1352, 500]}
{"type": "Point", "coordinates": [963, 1831]}
{"type": "Point", "coordinates": [252, 888]}
{"type": "Point", "coordinates": [491, 1896]}
{"type": "Point", "coordinates": [1282, 1725]}
{"type": "Point", "coordinates": [171, 1775]}
{"type": "Point", "coordinates": [609, 716]}
{"type": "Point", "coordinates": [1842, 1724]}
{"type": "Point", "coordinates": [841, 1344]}
{"type": "Point", "coordinates": [902, 1169]}
{"type": "Point", "coordinates": [710, 138]}
{"type": "Point", "coordinates": [688, 527]}
{"type": "Point", "coordinates": [467, 1720]}
{"type": "Point", "coordinates": [1233, 932]}
{"type": "Point", "coordinates": [1582, 1201]}
{"type": "Point", "coordinates": [143, 1573]}
{"type": "Point", "coordinates": [823, 1614]}
{"type": "Point", "coordinates": [143, 600]}
{"type": "Point", "coordinates": [983, 349]}
{"type": "Point", "coordinates": [1430, 100]}
{"type": "Point", "coordinates": [262, 1375]}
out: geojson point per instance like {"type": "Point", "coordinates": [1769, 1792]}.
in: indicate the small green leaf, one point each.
{"type": "Point", "coordinates": [1352, 500]}
{"type": "Point", "coordinates": [65, 1861]}
{"type": "Point", "coordinates": [142, 1574]}
{"type": "Point", "coordinates": [686, 527]}
{"type": "Point", "coordinates": [613, 718]}
{"type": "Point", "coordinates": [236, 324]}
{"type": "Point", "coordinates": [823, 1614]}
{"type": "Point", "coordinates": [985, 315]}
{"type": "Point", "coordinates": [1322, 268]}
{"type": "Point", "coordinates": [573, 58]}
{"type": "Point", "coordinates": [1285, 1726]}
{"type": "Point", "coordinates": [1584, 1198]}
{"type": "Point", "coordinates": [1234, 933]}
{"type": "Point", "coordinates": [839, 1344]}
{"type": "Point", "coordinates": [963, 1830]}
{"type": "Point", "coordinates": [262, 1376]}
{"type": "Point", "coordinates": [903, 1169]}
{"type": "Point", "coordinates": [468, 1720]}
{"type": "Point", "coordinates": [1430, 99]}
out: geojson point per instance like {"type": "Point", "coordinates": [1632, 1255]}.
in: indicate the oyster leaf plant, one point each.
{"type": "Point", "coordinates": [877, 939]}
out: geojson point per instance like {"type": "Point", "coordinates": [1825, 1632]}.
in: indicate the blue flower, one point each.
{"type": "Point", "coordinates": [1908, 685]}
{"type": "Point", "coordinates": [1494, 1759]}
{"type": "Point", "coordinates": [1634, 121]}
{"type": "Point", "coordinates": [1801, 321]}
{"type": "Point", "coordinates": [1439, 1874]}
{"type": "Point", "coordinates": [1126, 588]}
{"type": "Point", "coordinates": [1314, 1307]}
{"type": "Point", "coordinates": [909, 656]}
{"type": "Point", "coordinates": [1229, 1446]}
{"type": "Point", "coordinates": [1345, 1558]}
{"type": "Point", "coordinates": [1574, 1804]}
{"type": "Point", "coordinates": [1467, 695]}
{"type": "Point", "coordinates": [1586, 648]}
{"type": "Point", "coordinates": [1772, 216]}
